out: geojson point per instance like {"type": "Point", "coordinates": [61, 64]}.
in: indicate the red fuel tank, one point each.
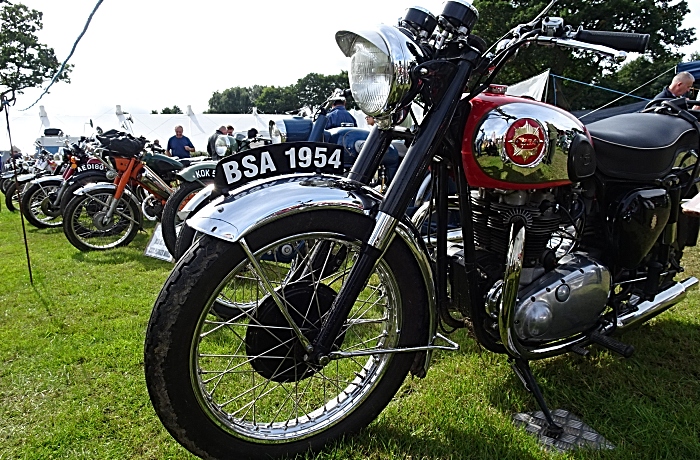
{"type": "Point", "coordinates": [517, 143]}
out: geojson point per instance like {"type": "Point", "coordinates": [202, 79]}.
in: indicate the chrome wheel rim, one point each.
{"type": "Point", "coordinates": [243, 401]}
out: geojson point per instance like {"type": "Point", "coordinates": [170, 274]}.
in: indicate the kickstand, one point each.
{"type": "Point", "coordinates": [523, 371]}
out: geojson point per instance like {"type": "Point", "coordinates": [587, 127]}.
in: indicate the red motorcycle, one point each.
{"type": "Point", "coordinates": [569, 234]}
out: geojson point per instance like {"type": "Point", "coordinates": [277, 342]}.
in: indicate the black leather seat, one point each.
{"type": "Point", "coordinates": [640, 146]}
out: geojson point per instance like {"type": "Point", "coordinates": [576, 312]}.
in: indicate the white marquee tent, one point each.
{"type": "Point", "coordinates": [26, 127]}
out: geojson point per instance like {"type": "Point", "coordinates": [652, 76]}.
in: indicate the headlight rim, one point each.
{"type": "Point", "coordinates": [395, 44]}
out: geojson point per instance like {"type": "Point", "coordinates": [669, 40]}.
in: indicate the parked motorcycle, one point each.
{"type": "Point", "coordinates": [44, 165]}
{"type": "Point", "coordinates": [569, 235]}
{"type": "Point", "coordinates": [191, 180]}
{"type": "Point", "coordinates": [102, 216]}
{"type": "Point", "coordinates": [46, 197]}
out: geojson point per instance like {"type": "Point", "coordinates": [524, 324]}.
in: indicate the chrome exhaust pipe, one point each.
{"type": "Point", "coordinates": [662, 302]}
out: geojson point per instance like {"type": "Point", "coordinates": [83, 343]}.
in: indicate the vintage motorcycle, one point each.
{"type": "Point", "coordinates": [101, 216]}
{"type": "Point", "coordinates": [46, 164]}
{"type": "Point", "coordinates": [569, 234]}
{"type": "Point", "coordinates": [45, 198]}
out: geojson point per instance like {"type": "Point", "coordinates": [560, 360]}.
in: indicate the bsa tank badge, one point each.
{"type": "Point", "coordinates": [526, 142]}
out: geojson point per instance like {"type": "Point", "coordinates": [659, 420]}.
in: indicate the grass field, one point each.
{"type": "Point", "coordinates": [72, 384]}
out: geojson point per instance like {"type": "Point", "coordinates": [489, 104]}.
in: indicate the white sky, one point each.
{"type": "Point", "coordinates": [151, 54]}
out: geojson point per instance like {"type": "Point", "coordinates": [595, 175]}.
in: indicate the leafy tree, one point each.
{"type": "Point", "coordinates": [171, 111]}
{"type": "Point", "coordinates": [311, 90]}
{"type": "Point", "coordinates": [231, 100]}
{"type": "Point", "coordinates": [278, 99]}
{"type": "Point", "coordinates": [314, 89]}
{"type": "Point", "coordinates": [254, 92]}
{"type": "Point", "coordinates": [24, 62]}
{"type": "Point", "coordinates": [154, 112]}
{"type": "Point", "coordinates": [658, 18]}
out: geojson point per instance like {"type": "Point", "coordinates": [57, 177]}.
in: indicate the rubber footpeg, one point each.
{"type": "Point", "coordinates": [612, 344]}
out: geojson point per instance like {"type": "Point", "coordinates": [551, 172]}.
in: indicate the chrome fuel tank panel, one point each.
{"type": "Point", "coordinates": [525, 143]}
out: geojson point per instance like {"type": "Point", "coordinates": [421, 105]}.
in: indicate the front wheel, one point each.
{"type": "Point", "coordinates": [236, 385]}
{"type": "Point", "coordinates": [12, 197]}
{"type": "Point", "coordinates": [170, 222]}
{"type": "Point", "coordinates": [38, 206]}
{"type": "Point", "coordinates": [88, 228]}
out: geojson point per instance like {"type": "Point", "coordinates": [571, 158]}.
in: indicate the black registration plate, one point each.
{"type": "Point", "coordinates": [278, 159]}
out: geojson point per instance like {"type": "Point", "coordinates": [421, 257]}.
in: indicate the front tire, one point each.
{"type": "Point", "coordinates": [12, 197]}
{"type": "Point", "coordinates": [237, 386]}
{"type": "Point", "coordinates": [37, 204]}
{"type": "Point", "coordinates": [170, 222]}
{"type": "Point", "coordinates": [87, 229]}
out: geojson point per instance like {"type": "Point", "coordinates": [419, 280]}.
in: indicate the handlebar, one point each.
{"type": "Point", "coordinates": [624, 41]}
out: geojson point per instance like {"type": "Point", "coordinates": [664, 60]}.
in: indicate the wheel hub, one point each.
{"type": "Point", "coordinates": [101, 223]}
{"type": "Point", "coordinates": [277, 353]}
{"type": "Point", "coordinates": [48, 209]}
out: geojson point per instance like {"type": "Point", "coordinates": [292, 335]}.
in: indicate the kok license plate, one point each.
{"type": "Point", "coordinates": [277, 159]}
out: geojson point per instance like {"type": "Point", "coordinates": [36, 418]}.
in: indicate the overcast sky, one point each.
{"type": "Point", "coordinates": [151, 54]}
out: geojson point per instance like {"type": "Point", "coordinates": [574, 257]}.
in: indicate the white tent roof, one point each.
{"type": "Point", "coordinates": [26, 127]}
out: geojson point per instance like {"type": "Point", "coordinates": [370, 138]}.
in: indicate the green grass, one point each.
{"type": "Point", "coordinates": [72, 385]}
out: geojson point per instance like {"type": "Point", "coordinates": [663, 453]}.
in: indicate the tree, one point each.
{"type": "Point", "coordinates": [24, 62]}
{"type": "Point", "coordinates": [232, 100]}
{"type": "Point", "coordinates": [171, 111]}
{"type": "Point", "coordinates": [315, 88]}
{"type": "Point", "coordinates": [278, 99]}
{"type": "Point", "coordinates": [658, 18]}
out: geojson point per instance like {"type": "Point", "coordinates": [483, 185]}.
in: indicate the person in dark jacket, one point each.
{"type": "Point", "coordinates": [211, 143]}
{"type": "Point", "coordinates": [679, 87]}
{"type": "Point", "coordinates": [339, 116]}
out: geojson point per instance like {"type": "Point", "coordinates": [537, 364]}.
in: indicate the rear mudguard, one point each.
{"type": "Point", "coordinates": [231, 217]}
{"type": "Point", "coordinates": [202, 172]}
{"type": "Point", "coordinates": [109, 188]}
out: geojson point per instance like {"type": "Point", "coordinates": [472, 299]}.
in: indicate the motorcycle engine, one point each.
{"type": "Point", "coordinates": [494, 211]}
{"type": "Point", "coordinates": [561, 292]}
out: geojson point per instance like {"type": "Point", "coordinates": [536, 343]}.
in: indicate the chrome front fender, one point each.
{"type": "Point", "coordinates": [232, 217]}
{"type": "Point", "coordinates": [249, 207]}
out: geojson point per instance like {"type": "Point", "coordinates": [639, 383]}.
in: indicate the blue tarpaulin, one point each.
{"type": "Point", "coordinates": [692, 67]}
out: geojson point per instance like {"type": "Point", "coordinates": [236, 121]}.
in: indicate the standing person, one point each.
{"type": "Point", "coordinates": [179, 146]}
{"type": "Point", "coordinates": [211, 143]}
{"type": "Point", "coordinates": [339, 116]}
{"type": "Point", "coordinates": [679, 87]}
{"type": "Point", "coordinates": [229, 130]}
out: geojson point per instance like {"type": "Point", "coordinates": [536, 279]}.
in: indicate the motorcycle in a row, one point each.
{"type": "Point", "coordinates": [19, 173]}
{"type": "Point", "coordinates": [107, 185]}
{"type": "Point", "coordinates": [307, 297]}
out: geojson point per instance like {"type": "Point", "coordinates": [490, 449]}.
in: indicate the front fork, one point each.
{"type": "Point", "coordinates": [404, 186]}
{"type": "Point", "coordinates": [121, 181]}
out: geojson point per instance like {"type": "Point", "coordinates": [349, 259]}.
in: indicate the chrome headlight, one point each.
{"type": "Point", "coordinates": [380, 69]}
{"type": "Point", "coordinates": [222, 145]}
